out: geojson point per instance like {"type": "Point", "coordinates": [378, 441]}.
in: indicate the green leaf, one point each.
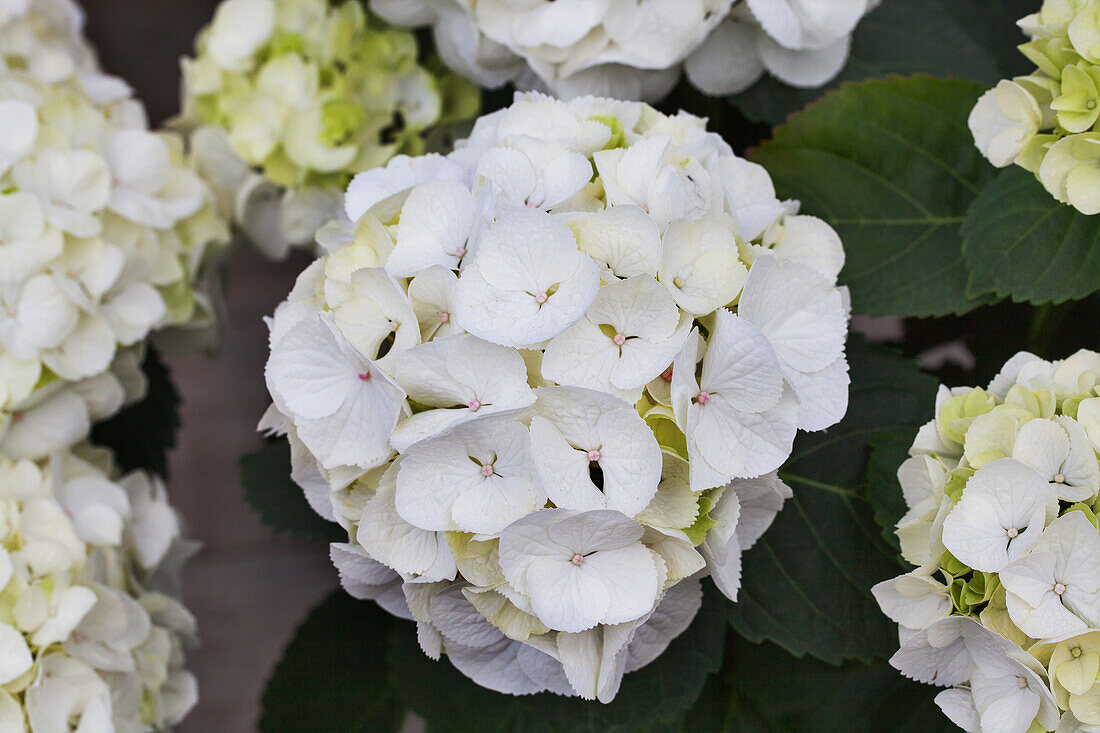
{"type": "Point", "coordinates": [279, 501]}
{"type": "Point", "coordinates": [892, 167]}
{"type": "Point", "coordinates": [972, 39]}
{"type": "Point", "coordinates": [1021, 243]}
{"type": "Point", "coordinates": [789, 694]}
{"type": "Point", "coordinates": [331, 677]}
{"type": "Point", "coordinates": [142, 434]}
{"type": "Point", "coordinates": [888, 452]}
{"type": "Point", "coordinates": [652, 698]}
{"type": "Point", "coordinates": [806, 583]}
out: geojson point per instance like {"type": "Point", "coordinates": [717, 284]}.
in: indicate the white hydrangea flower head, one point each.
{"type": "Point", "coordinates": [1002, 490]}
{"type": "Point", "coordinates": [1046, 122]}
{"type": "Point", "coordinates": [636, 49]}
{"type": "Point", "coordinates": [547, 381]}
{"type": "Point", "coordinates": [93, 631]}
{"type": "Point", "coordinates": [107, 237]}
{"type": "Point", "coordinates": [288, 98]}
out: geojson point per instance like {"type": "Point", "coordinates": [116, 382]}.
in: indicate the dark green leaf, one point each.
{"type": "Point", "coordinates": [332, 676]}
{"type": "Point", "coordinates": [652, 698]}
{"type": "Point", "coordinates": [789, 694]}
{"type": "Point", "coordinates": [1021, 243]}
{"type": "Point", "coordinates": [888, 451]}
{"type": "Point", "coordinates": [892, 167]}
{"type": "Point", "coordinates": [806, 584]}
{"type": "Point", "coordinates": [279, 501]}
{"type": "Point", "coordinates": [142, 434]}
{"type": "Point", "coordinates": [954, 38]}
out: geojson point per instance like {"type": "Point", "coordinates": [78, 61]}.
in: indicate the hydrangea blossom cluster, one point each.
{"type": "Point", "coordinates": [91, 629]}
{"type": "Point", "coordinates": [1046, 122]}
{"type": "Point", "coordinates": [545, 382]}
{"type": "Point", "coordinates": [1002, 489]}
{"type": "Point", "coordinates": [636, 49]}
{"type": "Point", "coordinates": [291, 97]}
{"type": "Point", "coordinates": [105, 228]}
{"type": "Point", "coordinates": [45, 39]}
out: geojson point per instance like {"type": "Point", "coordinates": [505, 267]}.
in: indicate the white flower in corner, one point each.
{"type": "Point", "coordinates": [738, 416]}
{"type": "Point", "coordinates": [1054, 590]}
{"type": "Point", "coordinates": [1060, 451]}
{"type": "Point", "coordinates": [1001, 514]}
{"type": "Point", "coordinates": [345, 406]}
{"type": "Point", "coordinates": [580, 569]}
{"type": "Point", "coordinates": [527, 283]}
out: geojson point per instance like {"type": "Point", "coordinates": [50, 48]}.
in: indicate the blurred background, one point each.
{"type": "Point", "coordinates": [247, 587]}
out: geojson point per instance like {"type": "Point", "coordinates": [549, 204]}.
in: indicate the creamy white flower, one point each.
{"type": "Point", "coordinates": [1055, 588]}
{"type": "Point", "coordinates": [432, 294]}
{"type": "Point", "coordinates": [915, 600]}
{"type": "Point", "coordinates": [593, 452]}
{"type": "Point", "coordinates": [1001, 515]}
{"type": "Point", "coordinates": [739, 418]}
{"type": "Point", "coordinates": [629, 335]}
{"type": "Point", "coordinates": [1060, 451]}
{"type": "Point", "coordinates": [527, 283]}
{"type": "Point", "coordinates": [805, 319]}
{"type": "Point", "coordinates": [622, 239]}
{"type": "Point", "coordinates": [344, 406]}
{"type": "Point", "coordinates": [701, 264]}
{"type": "Point", "coordinates": [581, 569]}
{"type": "Point", "coordinates": [437, 222]}
{"type": "Point", "coordinates": [477, 477]}
{"type": "Point", "coordinates": [1003, 121]}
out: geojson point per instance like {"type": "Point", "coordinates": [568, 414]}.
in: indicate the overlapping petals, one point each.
{"type": "Point", "coordinates": [1000, 489]}
{"type": "Point", "coordinates": [546, 382]}
{"type": "Point", "coordinates": [637, 48]}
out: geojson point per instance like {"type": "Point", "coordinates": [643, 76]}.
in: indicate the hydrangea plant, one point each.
{"type": "Point", "coordinates": [105, 231]}
{"type": "Point", "coordinates": [91, 627]}
{"type": "Point", "coordinates": [636, 49]}
{"type": "Point", "coordinates": [1001, 489]}
{"type": "Point", "coordinates": [545, 383]}
{"type": "Point", "coordinates": [1045, 122]}
{"type": "Point", "coordinates": [291, 97]}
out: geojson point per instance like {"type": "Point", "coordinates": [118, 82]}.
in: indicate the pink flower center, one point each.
{"type": "Point", "coordinates": [702, 398]}
{"type": "Point", "coordinates": [577, 559]}
{"type": "Point", "coordinates": [1021, 682]}
{"type": "Point", "coordinates": [593, 455]}
{"type": "Point", "coordinates": [365, 377]}
{"type": "Point", "coordinates": [1059, 588]}
{"type": "Point", "coordinates": [487, 470]}
{"type": "Point", "coordinates": [444, 317]}
{"type": "Point", "coordinates": [619, 339]}
{"type": "Point", "coordinates": [667, 374]}
{"type": "Point", "coordinates": [541, 298]}
{"type": "Point", "coordinates": [1013, 533]}
{"type": "Point", "coordinates": [460, 252]}
{"type": "Point", "coordinates": [474, 405]}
